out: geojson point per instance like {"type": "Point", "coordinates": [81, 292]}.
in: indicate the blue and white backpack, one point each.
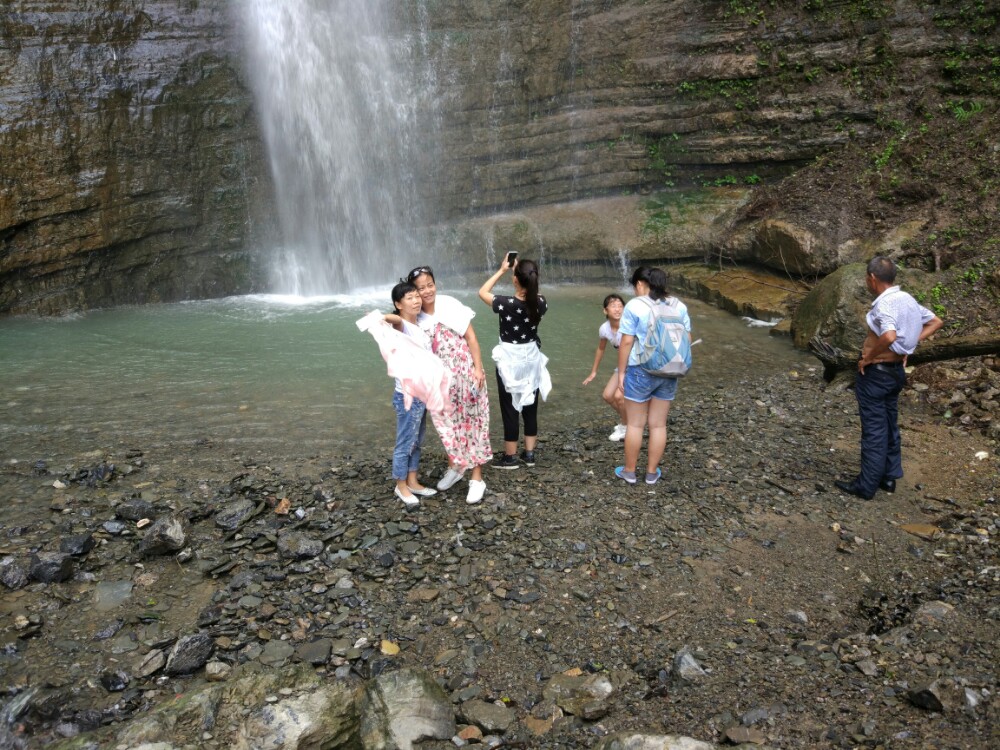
{"type": "Point", "coordinates": [666, 351]}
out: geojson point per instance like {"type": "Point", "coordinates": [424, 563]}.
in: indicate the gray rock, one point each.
{"type": "Point", "coordinates": [217, 671]}
{"type": "Point", "coordinates": [135, 509]}
{"type": "Point", "coordinates": [927, 697]}
{"type": "Point", "coordinates": [189, 654]}
{"type": "Point", "coordinates": [276, 653]}
{"type": "Point", "coordinates": [297, 546]}
{"type": "Point", "coordinates": [933, 613]}
{"type": "Point", "coordinates": [400, 708]}
{"type": "Point", "coordinates": [585, 696]}
{"type": "Point", "coordinates": [797, 616]}
{"type": "Point", "coordinates": [12, 575]}
{"type": "Point", "coordinates": [51, 567]}
{"type": "Point", "coordinates": [490, 717]}
{"type": "Point", "coordinates": [685, 667]}
{"type": "Point", "coordinates": [166, 536]}
{"type": "Point", "coordinates": [315, 652]}
{"type": "Point", "coordinates": [115, 528]}
{"type": "Point", "coordinates": [235, 514]}
{"type": "Point", "coordinates": [78, 544]}
{"type": "Point", "coordinates": [151, 663]}
{"type": "Point", "coordinates": [325, 716]}
{"type": "Point", "coordinates": [628, 741]}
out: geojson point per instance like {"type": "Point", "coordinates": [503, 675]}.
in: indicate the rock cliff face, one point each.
{"type": "Point", "coordinates": [546, 101]}
{"type": "Point", "coordinates": [132, 167]}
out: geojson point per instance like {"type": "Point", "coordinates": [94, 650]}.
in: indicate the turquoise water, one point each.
{"type": "Point", "coordinates": [284, 377]}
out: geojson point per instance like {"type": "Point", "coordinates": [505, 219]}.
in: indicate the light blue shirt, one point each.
{"type": "Point", "coordinates": [635, 321]}
{"type": "Point", "coordinates": [895, 310]}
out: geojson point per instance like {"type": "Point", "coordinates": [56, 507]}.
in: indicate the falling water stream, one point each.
{"type": "Point", "coordinates": [341, 106]}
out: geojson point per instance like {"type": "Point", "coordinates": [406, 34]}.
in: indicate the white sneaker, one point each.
{"type": "Point", "coordinates": [476, 491]}
{"type": "Point", "coordinates": [619, 433]}
{"type": "Point", "coordinates": [450, 477]}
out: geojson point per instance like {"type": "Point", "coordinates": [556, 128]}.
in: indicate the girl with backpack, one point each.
{"type": "Point", "coordinates": [647, 396]}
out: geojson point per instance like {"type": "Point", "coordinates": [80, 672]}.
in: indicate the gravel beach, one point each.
{"type": "Point", "coordinates": [740, 599]}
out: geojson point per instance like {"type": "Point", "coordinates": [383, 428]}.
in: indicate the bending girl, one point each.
{"type": "Point", "coordinates": [614, 305]}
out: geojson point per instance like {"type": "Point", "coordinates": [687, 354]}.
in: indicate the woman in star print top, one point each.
{"type": "Point", "coordinates": [522, 376]}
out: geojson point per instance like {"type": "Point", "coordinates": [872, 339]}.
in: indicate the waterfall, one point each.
{"type": "Point", "coordinates": [340, 108]}
{"type": "Point", "coordinates": [624, 263]}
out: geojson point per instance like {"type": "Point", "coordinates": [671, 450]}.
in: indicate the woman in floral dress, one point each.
{"type": "Point", "coordinates": [464, 425]}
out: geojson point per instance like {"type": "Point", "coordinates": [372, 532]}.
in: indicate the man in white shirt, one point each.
{"type": "Point", "coordinates": [896, 324]}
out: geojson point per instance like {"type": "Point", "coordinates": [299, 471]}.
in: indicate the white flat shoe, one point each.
{"type": "Point", "coordinates": [476, 491]}
{"type": "Point", "coordinates": [450, 477]}
{"type": "Point", "coordinates": [408, 500]}
{"type": "Point", "coordinates": [423, 491]}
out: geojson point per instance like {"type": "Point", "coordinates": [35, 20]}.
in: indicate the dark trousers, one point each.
{"type": "Point", "coordinates": [511, 416]}
{"type": "Point", "coordinates": [877, 391]}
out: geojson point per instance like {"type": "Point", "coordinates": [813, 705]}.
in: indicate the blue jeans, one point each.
{"type": "Point", "coordinates": [640, 386]}
{"type": "Point", "coordinates": [410, 428]}
{"type": "Point", "coordinates": [877, 391]}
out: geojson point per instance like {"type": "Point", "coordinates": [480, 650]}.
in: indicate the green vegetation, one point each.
{"type": "Point", "coordinates": [854, 10]}
{"type": "Point", "coordinates": [961, 113]}
{"type": "Point", "coordinates": [661, 165]}
{"type": "Point", "coordinates": [973, 68]}
{"type": "Point", "coordinates": [744, 9]}
{"type": "Point", "coordinates": [664, 210]}
{"type": "Point", "coordinates": [882, 158]}
{"type": "Point", "coordinates": [721, 181]}
{"type": "Point", "coordinates": [658, 219]}
{"type": "Point", "coordinates": [978, 17]}
{"type": "Point", "coordinates": [744, 91]}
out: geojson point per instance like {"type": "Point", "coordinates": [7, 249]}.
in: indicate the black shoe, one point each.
{"type": "Point", "coordinates": [528, 457]}
{"type": "Point", "coordinates": [887, 485]}
{"type": "Point", "coordinates": [851, 488]}
{"type": "Point", "coordinates": [506, 462]}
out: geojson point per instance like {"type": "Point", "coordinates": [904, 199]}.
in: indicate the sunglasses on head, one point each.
{"type": "Point", "coordinates": [419, 271]}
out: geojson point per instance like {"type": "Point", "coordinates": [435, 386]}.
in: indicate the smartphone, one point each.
{"type": "Point", "coordinates": [511, 257]}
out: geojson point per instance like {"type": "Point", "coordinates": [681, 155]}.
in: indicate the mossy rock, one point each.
{"type": "Point", "coordinates": [835, 309]}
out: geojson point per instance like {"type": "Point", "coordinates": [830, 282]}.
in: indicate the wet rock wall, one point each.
{"type": "Point", "coordinates": [132, 171]}
{"type": "Point", "coordinates": [545, 101]}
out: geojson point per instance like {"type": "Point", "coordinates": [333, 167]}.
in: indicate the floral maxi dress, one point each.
{"type": "Point", "coordinates": [464, 424]}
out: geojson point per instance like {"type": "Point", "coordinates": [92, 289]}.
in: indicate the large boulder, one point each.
{"type": "Point", "coordinates": [627, 741]}
{"type": "Point", "coordinates": [799, 246]}
{"type": "Point", "coordinates": [325, 717]}
{"type": "Point", "coordinates": [403, 707]}
{"type": "Point", "coordinates": [835, 309]}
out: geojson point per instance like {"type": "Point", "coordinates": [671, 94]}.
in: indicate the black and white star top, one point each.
{"type": "Point", "coordinates": [515, 327]}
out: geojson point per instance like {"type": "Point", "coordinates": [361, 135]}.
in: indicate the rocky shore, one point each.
{"type": "Point", "coordinates": [198, 598]}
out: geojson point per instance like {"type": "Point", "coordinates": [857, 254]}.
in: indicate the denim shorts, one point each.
{"type": "Point", "coordinates": [640, 386]}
